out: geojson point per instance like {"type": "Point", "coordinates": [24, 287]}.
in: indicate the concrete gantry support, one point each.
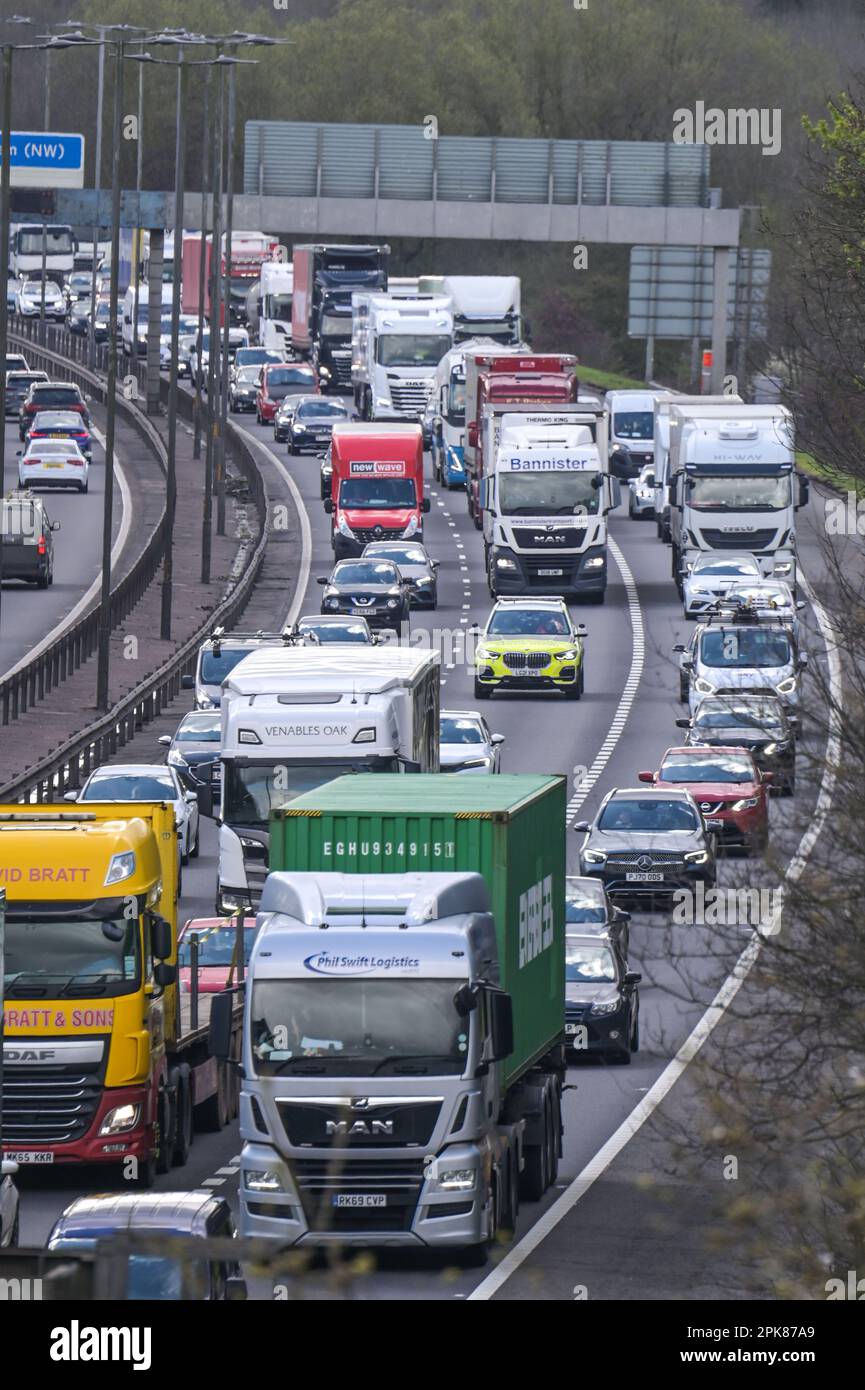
{"type": "Point", "coordinates": [720, 281]}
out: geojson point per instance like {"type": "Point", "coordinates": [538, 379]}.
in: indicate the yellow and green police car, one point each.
{"type": "Point", "coordinates": [530, 644]}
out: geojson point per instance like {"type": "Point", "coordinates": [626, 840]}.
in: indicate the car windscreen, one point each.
{"type": "Point", "coordinates": [589, 964]}
{"type": "Point", "coordinates": [290, 376]}
{"type": "Point", "coordinates": [639, 815]}
{"type": "Point", "coordinates": [55, 395]}
{"type": "Point", "coordinates": [57, 420]}
{"type": "Point", "coordinates": [215, 666]}
{"type": "Point", "coordinates": [726, 565]}
{"type": "Point", "coordinates": [585, 902]}
{"type": "Point", "coordinates": [216, 945]}
{"type": "Point", "coordinates": [527, 624]}
{"type": "Point", "coordinates": [738, 649]}
{"type": "Point", "coordinates": [337, 632]}
{"type": "Point", "coordinates": [131, 786]}
{"type": "Point", "coordinates": [204, 728]}
{"type": "Point", "coordinates": [62, 448]}
{"type": "Point", "coordinates": [721, 767]}
{"type": "Point", "coordinates": [321, 410]}
{"type": "Point", "coordinates": [402, 554]}
{"type": "Point", "coordinates": [457, 730]}
{"type": "Point", "coordinates": [365, 572]}
{"type": "Point", "coordinates": [741, 714]}
{"type": "Point", "coordinates": [634, 424]}
{"type": "Point", "coordinates": [374, 493]}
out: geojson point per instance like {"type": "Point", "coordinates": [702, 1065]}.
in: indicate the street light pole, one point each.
{"type": "Point", "coordinates": [4, 251]}
{"type": "Point", "coordinates": [215, 279]}
{"type": "Point", "coordinates": [205, 183]}
{"type": "Point", "coordinates": [97, 183]}
{"type": "Point", "coordinates": [139, 230]}
{"type": "Point", "coordinates": [171, 478]}
{"type": "Point", "coordinates": [226, 328]}
{"type": "Point", "coordinates": [104, 630]}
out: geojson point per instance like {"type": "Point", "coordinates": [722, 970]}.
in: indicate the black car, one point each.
{"type": "Point", "coordinates": [415, 566]}
{"type": "Point", "coordinates": [78, 317]}
{"type": "Point", "coordinates": [282, 419]}
{"type": "Point", "coordinates": [193, 749]}
{"type": "Point", "coordinates": [759, 723]}
{"type": "Point", "coordinates": [602, 1001]}
{"type": "Point", "coordinates": [195, 1216]}
{"type": "Point", "coordinates": [243, 388]}
{"type": "Point", "coordinates": [61, 424]}
{"type": "Point", "coordinates": [333, 627]}
{"type": "Point", "coordinates": [589, 911]}
{"type": "Point", "coordinates": [312, 421]}
{"type": "Point", "coordinates": [51, 395]}
{"type": "Point", "coordinates": [326, 476]}
{"type": "Point", "coordinates": [371, 589]}
{"type": "Point", "coordinates": [28, 542]}
{"type": "Point", "coordinates": [18, 386]}
{"type": "Point", "coordinates": [647, 843]}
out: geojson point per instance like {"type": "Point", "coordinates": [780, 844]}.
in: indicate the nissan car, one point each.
{"type": "Point", "coordinates": [758, 723]}
{"type": "Point", "coordinates": [371, 589]}
{"type": "Point", "coordinates": [728, 787]}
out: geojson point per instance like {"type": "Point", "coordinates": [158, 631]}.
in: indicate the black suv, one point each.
{"type": "Point", "coordinates": [647, 844]}
{"type": "Point", "coordinates": [51, 395]}
{"type": "Point", "coordinates": [759, 723]}
{"type": "Point", "coordinates": [28, 543]}
{"type": "Point", "coordinates": [18, 386]}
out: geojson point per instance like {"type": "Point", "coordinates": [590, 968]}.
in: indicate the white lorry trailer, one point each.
{"type": "Point", "coordinates": [661, 432]}
{"type": "Point", "coordinates": [397, 345]}
{"type": "Point", "coordinates": [293, 718]}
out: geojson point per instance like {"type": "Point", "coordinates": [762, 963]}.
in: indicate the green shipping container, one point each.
{"type": "Point", "coordinates": [510, 828]}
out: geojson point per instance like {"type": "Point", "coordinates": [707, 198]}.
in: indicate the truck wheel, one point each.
{"type": "Point", "coordinates": [211, 1114]}
{"type": "Point", "coordinates": [477, 1256]}
{"type": "Point", "coordinates": [146, 1174]}
{"type": "Point", "coordinates": [166, 1133]}
{"type": "Point", "coordinates": [533, 1183]}
{"type": "Point", "coordinates": [183, 1125]}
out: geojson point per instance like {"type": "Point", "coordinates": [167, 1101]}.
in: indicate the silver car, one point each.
{"type": "Point", "coordinates": [641, 493]}
{"type": "Point", "coordinates": [146, 782]}
{"type": "Point", "coordinates": [466, 744]}
{"type": "Point", "coordinates": [711, 577]}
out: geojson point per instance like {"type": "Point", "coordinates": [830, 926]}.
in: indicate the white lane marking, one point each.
{"type": "Point", "coordinates": [236, 1159]}
{"type": "Point", "coordinates": [715, 1012]}
{"type": "Point", "coordinates": [87, 598]}
{"type": "Point", "coordinates": [226, 1172]}
{"type": "Point", "coordinates": [305, 531]}
{"type": "Point", "coordinates": [213, 1182]}
{"type": "Point", "coordinates": [629, 690]}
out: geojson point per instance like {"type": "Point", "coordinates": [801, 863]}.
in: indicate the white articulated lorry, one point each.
{"type": "Point", "coordinates": [293, 718]}
{"type": "Point", "coordinates": [485, 306]}
{"type": "Point", "coordinates": [396, 347]}
{"type": "Point", "coordinates": [268, 306]}
{"type": "Point", "coordinates": [545, 500]}
{"type": "Point", "coordinates": [734, 486]}
{"type": "Point", "coordinates": [662, 447]}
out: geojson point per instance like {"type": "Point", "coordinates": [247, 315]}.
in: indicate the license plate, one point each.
{"type": "Point", "coordinates": [363, 612]}
{"type": "Point", "coordinates": [550, 571]}
{"type": "Point", "coordinates": [644, 878]}
{"type": "Point", "coordinates": [360, 1199]}
{"type": "Point", "coordinates": [57, 436]}
{"type": "Point", "coordinates": [713, 822]}
{"type": "Point", "coordinates": [571, 1027]}
{"type": "Point", "coordinates": [522, 671]}
{"type": "Point", "coordinates": [29, 1156]}
{"type": "Point", "coordinates": [53, 465]}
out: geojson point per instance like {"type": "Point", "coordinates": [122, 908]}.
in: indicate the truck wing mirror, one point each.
{"type": "Point", "coordinates": [165, 975]}
{"type": "Point", "coordinates": [804, 490]}
{"type": "Point", "coordinates": [187, 682]}
{"type": "Point", "coordinates": [501, 1024]}
{"type": "Point", "coordinates": [615, 494]}
{"type": "Point", "coordinates": [472, 432]}
{"type": "Point", "coordinates": [425, 505]}
{"type": "Point", "coordinates": [328, 504]}
{"type": "Point", "coordinates": [205, 800]}
{"type": "Point", "coordinates": [160, 938]}
{"type": "Point", "coordinates": [682, 723]}
{"type": "Point", "coordinates": [646, 776]}
{"type": "Point", "coordinates": [219, 1033]}
{"type": "Point", "coordinates": [465, 1000]}
{"type": "Point", "coordinates": [632, 979]}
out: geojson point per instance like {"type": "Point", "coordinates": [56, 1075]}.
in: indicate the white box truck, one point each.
{"type": "Point", "coordinates": [662, 448]}
{"type": "Point", "coordinates": [397, 345]}
{"type": "Point", "coordinates": [294, 718]}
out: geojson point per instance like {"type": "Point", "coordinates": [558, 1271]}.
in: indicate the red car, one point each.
{"type": "Point", "coordinates": [730, 790]}
{"type": "Point", "coordinates": [217, 937]}
{"type": "Point", "coordinates": [281, 379]}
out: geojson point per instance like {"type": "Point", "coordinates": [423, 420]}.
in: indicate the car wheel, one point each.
{"type": "Point", "coordinates": [790, 785]}
{"type": "Point", "coordinates": [85, 487]}
{"type": "Point", "coordinates": [292, 449]}
{"type": "Point", "coordinates": [193, 853]}
{"type": "Point", "coordinates": [684, 691]}
{"type": "Point", "coordinates": [42, 582]}
{"type": "Point", "coordinates": [635, 1035]}
{"type": "Point", "coordinates": [482, 692]}
{"type": "Point", "coordinates": [574, 691]}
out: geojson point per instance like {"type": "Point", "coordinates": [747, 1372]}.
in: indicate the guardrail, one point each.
{"type": "Point", "coordinates": [38, 677]}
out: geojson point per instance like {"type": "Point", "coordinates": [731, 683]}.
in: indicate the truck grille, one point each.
{"type": "Point", "coordinates": [340, 366]}
{"type": "Point", "coordinates": [384, 1125]}
{"type": "Point", "coordinates": [535, 538]}
{"type": "Point", "coordinates": [410, 398]}
{"type": "Point", "coordinates": [320, 1180]}
{"type": "Point", "coordinates": [378, 533]}
{"type": "Point", "coordinates": [738, 540]}
{"type": "Point", "coordinates": [536, 661]}
{"type": "Point", "coordinates": [49, 1105]}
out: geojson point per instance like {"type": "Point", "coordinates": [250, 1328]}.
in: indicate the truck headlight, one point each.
{"type": "Point", "coordinates": [787, 687]}
{"type": "Point", "coordinates": [697, 856]}
{"type": "Point", "coordinates": [594, 562]}
{"type": "Point", "coordinates": [503, 562]}
{"type": "Point", "coordinates": [783, 567]}
{"type": "Point", "coordinates": [606, 1006]}
{"type": "Point", "coordinates": [703, 687]}
{"type": "Point", "coordinates": [259, 1180]}
{"type": "Point", "coordinates": [412, 526]}
{"type": "Point", "coordinates": [383, 401]}
{"type": "Point", "coordinates": [344, 529]}
{"type": "Point", "coordinates": [120, 1120]}
{"type": "Point", "coordinates": [120, 866]}
{"type": "Point", "coordinates": [457, 1179]}
{"type": "Point", "coordinates": [595, 856]}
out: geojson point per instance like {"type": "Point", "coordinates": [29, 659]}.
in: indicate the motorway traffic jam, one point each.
{"type": "Point", "coordinates": [394, 877]}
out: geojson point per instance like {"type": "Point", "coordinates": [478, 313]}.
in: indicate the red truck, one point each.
{"type": "Point", "coordinates": [376, 485]}
{"type": "Point", "coordinates": [249, 251]}
{"type": "Point", "coordinates": [493, 378]}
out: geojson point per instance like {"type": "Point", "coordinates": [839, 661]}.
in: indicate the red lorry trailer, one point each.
{"type": "Point", "coordinates": [249, 251]}
{"type": "Point", "coordinates": [376, 485]}
{"type": "Point", "coordinates": [517, 379]}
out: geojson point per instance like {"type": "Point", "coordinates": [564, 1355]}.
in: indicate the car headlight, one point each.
{"type": "Point", "coordinates": [703, 687]}
{"type": "Point", "coordinates": [457, 1179]}
{"type": "Point", "coordinates": [474, 762]}
{"type": "Point", "coordinates": [259, 1180]}
{"type": "Point", "coordinates": [697, 856]}
{"type": "Point", "coordinates": [423, 581]}
{"type": "Point", "coordinates": [595, 856]}
{"type": "Point", "coordinates": [332, 602]}
{"type": "Point", "coordinates": [783, 567]}
{"type": "Point", "coordinates": [176, 758]}
{"type": "Point", "coordinates": [393, 603]}
{"type": "Point", "coordinates": [344, 529]}
{"type": "Point", "coordinates": [787, 687]}
{"type": "Point", "coordinates": [120, 1120]}
{"type": "Point", "coordinates": [746, 803]}
{"type": "Point", "coordinates": [594, 562]}
{"type": "Point", "coordinates": [412, 526]}
{"type": "Point", "coordinates": [770, 749]}
{"type": "Point", "coordinates": [247, 843]}
{"type": "Point", "coordinates": [570, 655]}
{"type": "Point", "coordinates": [503, 562]}
{"type": "Point", "coordinates": [120, 867]}
{"type": "Point", "coordinates": [606, 1006]}
{"type": "Point", "coordinates": [483, 654]}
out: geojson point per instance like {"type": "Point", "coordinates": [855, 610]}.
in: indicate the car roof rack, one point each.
{"type": "Point", "coordinates": [219, 635]}
{"type": "Point", "coordinates": [732, 610]}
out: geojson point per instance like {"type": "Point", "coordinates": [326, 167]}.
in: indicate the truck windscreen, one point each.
{"type": "Point", "coordinates": [456, 403]}
{"type": "Point", "coordinates": [72, 957]}
{"type": "Point", "coordinates": [254, 790]}
{"type": "Point", "coordinates": [412, 349]}
{"type": "Point", "coordinates": [634, 424]}
{"type": "Point", "coordinates": [359, 1026]}
{"type": "Point", "coordinates": [371, 493]}
{"type": "Point", "coordinates": [548, 494]}
{"type": "Point", "coordinates": [714, 492]}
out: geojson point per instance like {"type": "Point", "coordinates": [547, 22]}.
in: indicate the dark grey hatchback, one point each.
{"type": "Point", "coordinates": [28, 542]}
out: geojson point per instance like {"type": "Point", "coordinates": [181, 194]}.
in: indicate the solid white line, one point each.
{"type": "Point", "coordinates": [87, 598]}
{"type": "Point", "coordinates": [305, 532]}
{"type": "Point", "coordinates": [715, 1012]}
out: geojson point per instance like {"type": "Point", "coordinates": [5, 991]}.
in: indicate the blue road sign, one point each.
{"type": "Point", "coordinates": [46, 159]}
